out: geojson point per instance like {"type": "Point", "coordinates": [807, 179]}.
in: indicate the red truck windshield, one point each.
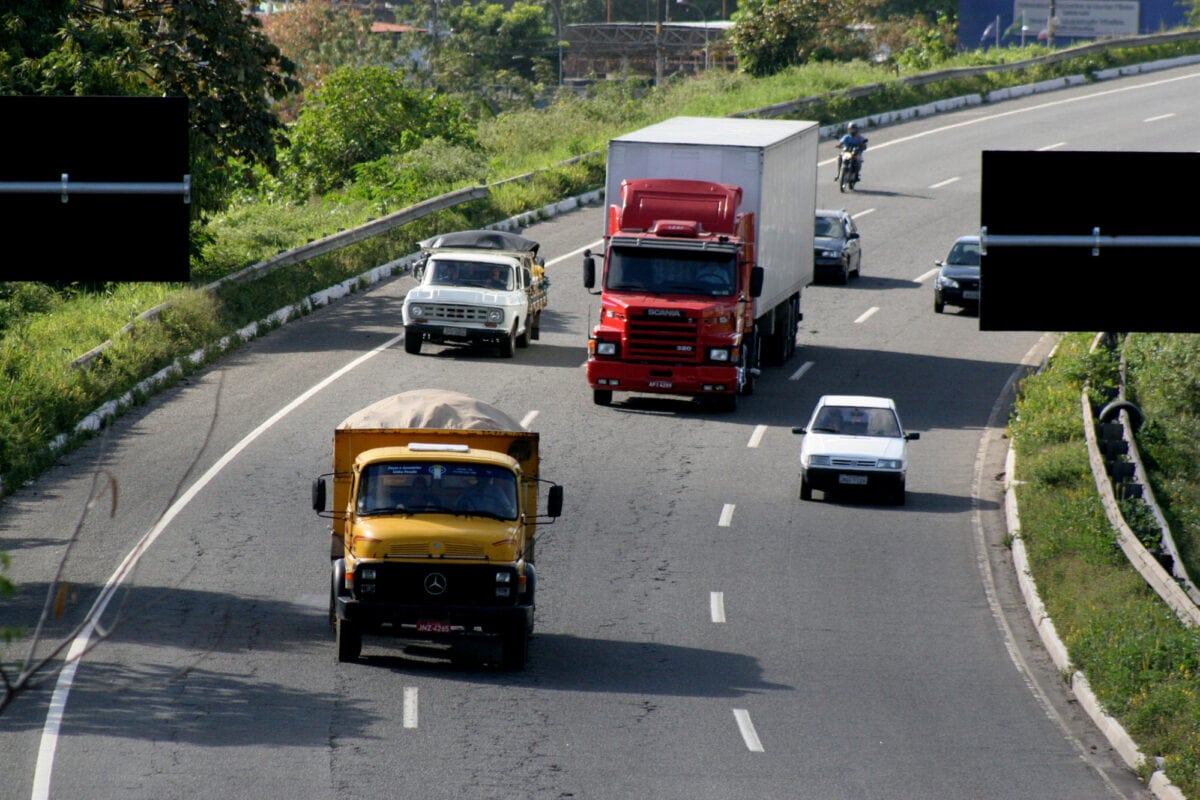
{"type": "Point", "coordinates": [668, 272]}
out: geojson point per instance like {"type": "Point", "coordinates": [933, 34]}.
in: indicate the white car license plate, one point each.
{"type": "Point", "coordinates": [853, 480]}
{"type": "Point", "coordinates": [454, 331]}
{"type": "Point", "coordinates": [970, 295]}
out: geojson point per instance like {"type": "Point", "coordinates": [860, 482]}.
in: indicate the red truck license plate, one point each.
{"type": "Point", "coordinates": [433, 626]}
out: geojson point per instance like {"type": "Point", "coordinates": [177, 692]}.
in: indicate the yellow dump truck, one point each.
{"type": "Point", "coordinates": [434, 508]}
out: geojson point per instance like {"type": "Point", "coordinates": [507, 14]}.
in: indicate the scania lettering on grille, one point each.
{"type": "Point", "coordinates": [435, 583]}
{"type": "Point", "coordinates": [664, 312]}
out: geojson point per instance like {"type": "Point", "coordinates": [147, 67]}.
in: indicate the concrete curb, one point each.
{"type": "Point", "coordinates": [1113, 731]}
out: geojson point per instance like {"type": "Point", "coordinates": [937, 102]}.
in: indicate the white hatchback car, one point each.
{"type": "Point", "coordinates": [854, 442]}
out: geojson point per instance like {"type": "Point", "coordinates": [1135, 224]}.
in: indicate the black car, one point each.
{"type": "Point", "coordinates": [957, 282]}
{"type": "Point", "coordinates": [837, 247]}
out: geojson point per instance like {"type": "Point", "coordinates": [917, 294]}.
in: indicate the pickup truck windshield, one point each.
{"type": "Point", "coordinates": [435, 487]}
{"type": "Point", "coordinates": [663, 272]}
{"type": "Point", "coordinates": [473, 273]}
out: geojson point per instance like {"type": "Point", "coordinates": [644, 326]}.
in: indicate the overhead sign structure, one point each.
{"type": "Point", "coordinates": [94, 189]}
{"type": "Point", "coordinates": [1088, 241]}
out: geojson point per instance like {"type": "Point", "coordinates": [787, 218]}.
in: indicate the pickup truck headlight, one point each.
{"type": "Point", "coordinates": [415, 311]}
{"type": "Point", "coordinates": [720, 354]}
{"type": "Point", "coordinates": [495, 315]}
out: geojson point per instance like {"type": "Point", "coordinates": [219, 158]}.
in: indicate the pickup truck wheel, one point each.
{"type": "Point", "coordinates": [349, 640]}
{"type": "Point", "coordinates": [536, 331]}
{"type": "Point", "coordinates": [412, 341]}
{"type": "Point", "coordinates": [523, 337]}
{"type": "Point", "coordinates": [508, 346]}
{"type": "Point", "coordinates": [602, 397]}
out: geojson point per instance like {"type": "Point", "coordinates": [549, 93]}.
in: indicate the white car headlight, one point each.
{"type": "Point", "coordinates": [889, 463]}
{"type": "Point", "coordinates": [818, 461]}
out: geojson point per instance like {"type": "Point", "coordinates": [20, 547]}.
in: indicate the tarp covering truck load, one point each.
{"type": "Point", "coordinates": [708, 246]}
{"type": "Point", "coordinates": [435, 512]}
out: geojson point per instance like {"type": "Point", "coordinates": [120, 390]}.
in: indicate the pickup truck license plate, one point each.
{"type": "Point", "coordinates": [853, 480]}
{"type": "Point", "coordinates": [433, 626]}
{"type": "Point", "coordinates": [454, 331]}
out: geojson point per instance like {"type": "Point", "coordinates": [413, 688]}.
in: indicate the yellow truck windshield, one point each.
{"type": "Point", "coordinates": [437, 487]}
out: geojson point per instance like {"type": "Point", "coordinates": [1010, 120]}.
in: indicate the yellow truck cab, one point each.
{"type": "Point", "coordinates": [434, 516]}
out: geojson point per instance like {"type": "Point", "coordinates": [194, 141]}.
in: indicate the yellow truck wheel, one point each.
{"type": "Point", "coordinates": [349, 640]}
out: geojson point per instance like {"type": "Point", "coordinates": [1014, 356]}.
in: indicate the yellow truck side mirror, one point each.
{"type": "Point", "coordinates": [318, 494]}
{"type": "Point", "coordinates": [555, 501]}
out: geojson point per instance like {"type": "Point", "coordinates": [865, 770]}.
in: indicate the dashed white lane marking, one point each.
{"type": "Point", "coordinates": [946, 182]}
{"type": "Point", "coordinates": [756, 437]}
{"type": "Point", "coordinates": [726, 515]}
{"type": "Point", "coordinates": [716, 606]}
{"type": "Point", "coordinates": [749, 735]}
{"type": "Point", "coordinates": [410, 706]}
{"type": "Point", "coordinates": [805, 367]}
{"type": "Point", "coordinates": [866, 315]}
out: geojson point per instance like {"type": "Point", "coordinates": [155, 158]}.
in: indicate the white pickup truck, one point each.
{"type": "Point", "coordinates": [477, 287]}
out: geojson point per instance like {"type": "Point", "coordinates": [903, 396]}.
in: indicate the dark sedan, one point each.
{"type": "Point", "coordinates": [957, 281]}
{"type": "Point", "coordinates": [837, 246]}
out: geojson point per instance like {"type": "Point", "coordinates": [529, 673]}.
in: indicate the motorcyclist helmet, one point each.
{"type": "Point", "coordinates": [854, 127]}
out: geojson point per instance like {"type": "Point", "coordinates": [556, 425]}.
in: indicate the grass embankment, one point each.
{"type": "Point", "coordinates": [1141, 661]}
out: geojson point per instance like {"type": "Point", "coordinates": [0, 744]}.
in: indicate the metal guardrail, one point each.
{"type": "Point", "coordinates": [1178, 593]}
{"type": "Point", "coordinates": [65, 188]}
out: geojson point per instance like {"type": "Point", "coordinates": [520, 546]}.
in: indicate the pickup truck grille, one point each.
{"type": "Point", "coordinates": [666, 340]}
{"type": "Point", "coordinates": [454, 313]}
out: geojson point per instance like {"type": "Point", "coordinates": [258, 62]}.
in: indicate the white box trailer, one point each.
{"type": "Point", "coordinates": [775, 164]}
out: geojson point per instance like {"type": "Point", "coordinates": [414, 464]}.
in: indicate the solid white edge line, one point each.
{"type": "Point", "coordinates": [756, 437]}
{"type": "Point", "coordinates": [48, 746]}
{"type": "Point", "coordinates": [575, 252]}
{"type": "Point", "coordinates": [749, 735]}
{"type": "Point", "coordinates": [726, 515]}
{"type": "Point", "coordinates": [927, 275]}
{"type": "Point", "coordinates": [946, 182]}
{"type": "Point", "coordinates": [866, 315]}
{"type": "Point", "coordinates": [862, 213]}
{"type": "Point", "coordinates": [716, 606]}
{"type": "Point", "coordinates": [1159, 117]}
{"type": "Point", "coordinates": [1054, 146]}
{"type": "Point", "coordinates": [805, 367]}
{"type": "Point", "coordinates": [410, 706]}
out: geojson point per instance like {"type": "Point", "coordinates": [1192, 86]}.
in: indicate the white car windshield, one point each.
{"type": "Point", "coordinates": [856, 421]}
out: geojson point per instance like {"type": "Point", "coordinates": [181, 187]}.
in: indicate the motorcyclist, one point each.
{"type": "Point", "coordinates": [853, 140]}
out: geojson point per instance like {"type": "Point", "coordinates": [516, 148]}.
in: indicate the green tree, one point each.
{"type": "Point", "coordinates": [319, 37]}
{"type": "Point", "coordinates": [209, 51]}
{"type": "Point", "coordinates": [771, 35]}
{"type": "Point", "coordinates": [495, 56]}
{"type": "Point", "coordinates": [362, 114]}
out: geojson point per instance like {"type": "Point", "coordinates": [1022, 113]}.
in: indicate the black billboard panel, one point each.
{"type": "Point", "coordinates": [1099, 202]}
{"type": "Point", "coordinates": [94, 189]}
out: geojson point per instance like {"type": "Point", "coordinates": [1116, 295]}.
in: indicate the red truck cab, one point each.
{"type": "Point", "coordinates": [677, 294]}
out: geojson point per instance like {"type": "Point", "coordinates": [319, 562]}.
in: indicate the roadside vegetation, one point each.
{"type": "Point", "coordinates": [1141, 661]}
{"type": "Point", "coordinates": [263, 200]}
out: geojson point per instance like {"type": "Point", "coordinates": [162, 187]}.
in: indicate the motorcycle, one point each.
{"type": "Point", "coordinates": [849, 167]}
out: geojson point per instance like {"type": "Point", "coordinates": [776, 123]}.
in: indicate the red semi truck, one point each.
{"type": "Point", "coordinates": [708, 246]}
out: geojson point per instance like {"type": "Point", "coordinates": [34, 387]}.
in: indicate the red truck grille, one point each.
{"type": "Point", "coordinates": [668, 340]}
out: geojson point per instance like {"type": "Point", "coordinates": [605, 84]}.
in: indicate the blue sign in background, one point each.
{"type": "Point", "coordinates": [974, 17]}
